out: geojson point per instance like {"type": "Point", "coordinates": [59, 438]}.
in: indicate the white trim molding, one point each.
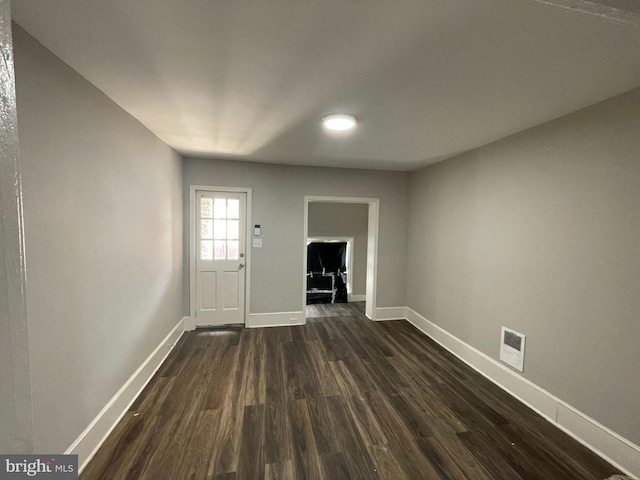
{"type": "Point", "coordinates": [276, 319]}
{"type": "Point", "coordinates": [390, 313]}
{"type": "Point", "coordinates": [89, 441]}
{"type": "Point", "coordinates": [189, 324]}
{"type": "Point", "coordinates": [612, 447]}
{"type": "Point", "coordinates": [356, 298]}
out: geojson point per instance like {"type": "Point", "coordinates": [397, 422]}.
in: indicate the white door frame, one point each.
{"type": "Point", "coordinates": [372, 246]}
{"type": "Point", "coordinates": [193, 250]}
{"type": "Point", "coordinates": [349, 241]}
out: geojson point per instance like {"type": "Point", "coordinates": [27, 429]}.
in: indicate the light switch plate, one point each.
{"type": "Point", "coordinates": [257, 243]}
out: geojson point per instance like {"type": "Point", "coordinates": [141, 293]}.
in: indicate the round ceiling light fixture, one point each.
{"type": "Point", "coordinates": [339, 122]}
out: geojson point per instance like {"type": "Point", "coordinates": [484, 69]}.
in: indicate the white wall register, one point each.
{"type": "Point", "coordinates": [512, 348]}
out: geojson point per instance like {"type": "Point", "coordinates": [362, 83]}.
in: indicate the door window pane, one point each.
{"type": "Point", "coordinates": [220, 229]}
{"type": "Point", "coordinates": [220, 208]}
{"type": "Point", "coordinates": [206, 250]}
{"type": "Point", "coordinates": [219, 250]}
{"type": "Point", "coordinates": [233, 208]}
{"type": "Point", "coordinates": [233, 250]}
{"type": "Point", "coordinates": [206, 207]}
{"type": "Point", "coordinates": [233, 229]}
{"type": "Point", "coordinates": [206, 229]}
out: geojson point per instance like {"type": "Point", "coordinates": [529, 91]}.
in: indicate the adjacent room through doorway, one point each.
{"type": "Point", "coordinates": [336, 258]}
{"type": "Point", "coordinates": [327, 272]}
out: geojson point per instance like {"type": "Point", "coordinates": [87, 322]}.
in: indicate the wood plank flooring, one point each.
{"type": "Point", "coordinates": [326, 310]}
{"type": "Point", "coordinates": [339, 398]}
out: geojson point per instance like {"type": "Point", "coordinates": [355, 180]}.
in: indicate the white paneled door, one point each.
{"type": "Point", "coordinates": [220, 257]}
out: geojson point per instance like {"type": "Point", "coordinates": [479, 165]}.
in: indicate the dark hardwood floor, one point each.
{"type": "Point", "coordinates": [339, 398]}
{"type": "Point", "coordinates": [327, 310]}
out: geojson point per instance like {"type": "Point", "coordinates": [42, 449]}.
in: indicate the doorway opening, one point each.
{"type": "Point", "coordinates": [340, 256]}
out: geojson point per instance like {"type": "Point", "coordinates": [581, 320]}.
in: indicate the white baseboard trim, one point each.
{"type": "Point", "coordinates": [276, 319]}
{"type": "Point", "coordinates": [356, 298]}
{"type": "Point", "coordinates": [87, 444]}
{"type": "Point", "coordinates": [612, 447]}
{"type": "Point", "coordinates": [390, 313]}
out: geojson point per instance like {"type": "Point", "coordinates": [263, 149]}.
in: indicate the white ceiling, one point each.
{"type": "Point", "coordinates": [251, 79]}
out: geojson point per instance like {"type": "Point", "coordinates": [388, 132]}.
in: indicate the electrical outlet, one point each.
{"type": "Point", "coordinates": [257, 243]}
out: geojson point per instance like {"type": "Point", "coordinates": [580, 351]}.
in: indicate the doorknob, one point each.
{"type": "Point", "coordinates": [242, 255]}
{"type": "Point", "coordinates": [241, 266]}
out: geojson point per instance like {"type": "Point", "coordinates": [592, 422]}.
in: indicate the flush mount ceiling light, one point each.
{"type": "Point", "coordinates": [339, 122]}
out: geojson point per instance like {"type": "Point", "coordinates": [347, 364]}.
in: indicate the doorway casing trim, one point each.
{"type": "Point", "coordinates": [191, 324]}
{"type": "Point", "coordinates": [372, 246]}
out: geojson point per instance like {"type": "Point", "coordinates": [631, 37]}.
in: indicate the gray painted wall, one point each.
{"type": "Point", "coordinates": [103, 228]}
{"type": "Point", "coordinates": [16, 434]}
{"type": "Point", "coordinates": [344, 220]}
{"type": "Point", "coordinates": [278, 205]}
{"type": "Point", "coordinates": [541, 232]}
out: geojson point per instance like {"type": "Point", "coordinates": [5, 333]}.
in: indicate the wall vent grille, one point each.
{"type": "Point", "coordinates": [512, 348]}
